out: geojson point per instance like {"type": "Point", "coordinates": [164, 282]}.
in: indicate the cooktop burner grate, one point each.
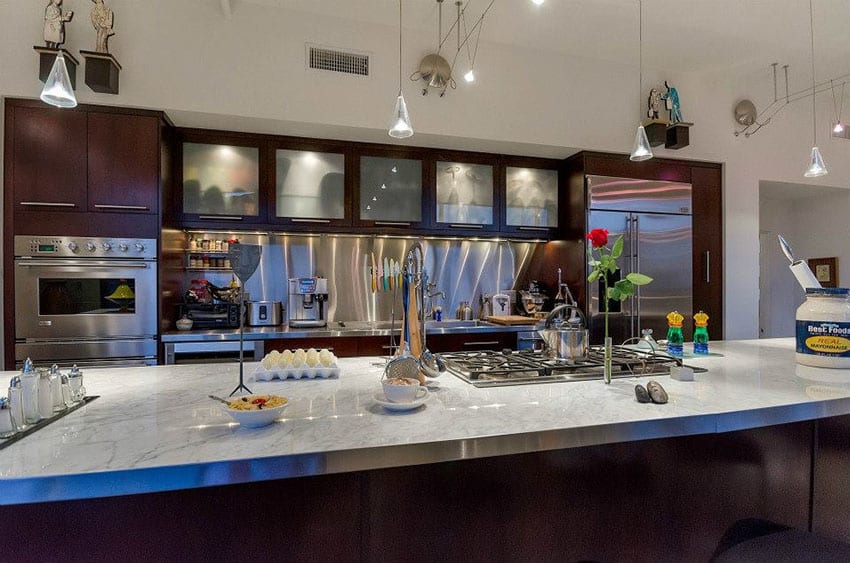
{"type": "Point", "coordinates": [489, 368]}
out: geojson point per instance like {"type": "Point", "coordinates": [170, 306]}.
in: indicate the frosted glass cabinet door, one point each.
{"type": "Point", "coordinates": [390, 189]}
{"type": "Point", "coordinates": [531, 197]}
{"type": "Point", "coordinates": [310, 185]}
{"type": "Point", "coordinates": [221, 180]}
{"type": "Point", "coordinates": [464, 193]}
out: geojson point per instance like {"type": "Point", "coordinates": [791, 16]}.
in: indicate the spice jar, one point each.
{"type": "Point", "coordinates": [45, 394]}
{"type": "Point", "coordinates": [75, 379]}
{"type": "Point", "coordinates": [56, 389]}
{"type": "Point", "coordinates": [29, 393]}
{"type": "Point", "coordinates": [16, 402]}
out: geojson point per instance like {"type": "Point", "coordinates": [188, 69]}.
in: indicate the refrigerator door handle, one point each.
{"type": "Point", "coordinates": [637, 266]}
{"type": "Point", "coordinates": [707, 266]}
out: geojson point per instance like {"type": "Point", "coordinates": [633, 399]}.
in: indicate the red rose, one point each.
{"type": "Point", "coordinates": [598, 237]}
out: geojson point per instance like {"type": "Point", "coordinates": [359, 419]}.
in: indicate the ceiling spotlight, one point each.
{"type": "Point", "coordinates": [538, 2]}
{"type": "Point", "coordinates": [469, 76]}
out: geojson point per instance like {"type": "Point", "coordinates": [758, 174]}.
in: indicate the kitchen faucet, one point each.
{"type": "Point", "coordinates": [431, 292]}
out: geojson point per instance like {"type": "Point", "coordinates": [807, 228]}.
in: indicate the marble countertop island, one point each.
{"type": "Point", "coordinates": [154, 429]}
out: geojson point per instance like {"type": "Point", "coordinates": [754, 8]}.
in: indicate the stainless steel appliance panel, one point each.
{"type": "Point", "coordinates": [99, 352]}
{"type": "Point", "coordinates": [654, 218]}
{"type": "Point", "coordinates": [67, 298]}
{"type": "Point", "coordinates": [664, 250]}
{"type": "Point", "coordinates": [638, 196]}
{"type": "Point", "coordinates": [462, 268]}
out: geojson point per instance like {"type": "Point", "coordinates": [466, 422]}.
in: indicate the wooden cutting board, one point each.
{"type": "Point", "coordinates": [512, 320]}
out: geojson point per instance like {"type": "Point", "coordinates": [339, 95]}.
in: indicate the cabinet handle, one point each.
{"type": "Point", "coordinates": [462, 226]}
{"type": "Point", "coordinates": [47, 204]}
{"type": "Point", "coordinates": [220, 217]}
{"type": "Point", "coordinates": [389, 347]}
{"type": "Point", "coordinates": [391, 224]}
{"type": "Point", "coordinates": [482, 343]}
{"type": "Point", "coordinates": [534, 228]}
{"type": "Point", "coordinates": [323, 221]}
{"type": "Point", "coordinates": [707, 266]}
{"type": "Point", "coordinates": [129, 207]}
{"type": "Point", "coordinates": [526, 339]}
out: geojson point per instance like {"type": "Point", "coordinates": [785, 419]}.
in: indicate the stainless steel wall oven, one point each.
{"type": "Point", "coordinates": [90, 301]}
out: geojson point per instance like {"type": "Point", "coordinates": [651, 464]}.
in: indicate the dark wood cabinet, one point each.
{"type": "Point", "coordinates": [123, 163]}
{"type": "Point", "coordinates": [49, 158]}
{"type": "Point", "coordinates": [707, 184]}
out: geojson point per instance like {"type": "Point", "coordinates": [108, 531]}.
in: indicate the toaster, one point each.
{"type": "Point", "coordinates": [263, 313]}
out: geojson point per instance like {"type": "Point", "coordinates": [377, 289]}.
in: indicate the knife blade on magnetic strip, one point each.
{"type": "Point", "coordinates": [387, 274]}
{"type": "Point", "coordinates": [373, 275]}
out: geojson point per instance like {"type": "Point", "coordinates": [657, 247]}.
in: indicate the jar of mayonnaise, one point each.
{"type": "Point", "coordinates": [823, 328]}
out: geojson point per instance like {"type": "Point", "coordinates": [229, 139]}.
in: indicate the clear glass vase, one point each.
{"type": "Point", "coordinates": [608, 367]}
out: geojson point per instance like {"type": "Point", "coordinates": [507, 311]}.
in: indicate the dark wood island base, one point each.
{"type": "Point", "coordinates": [667, 499]}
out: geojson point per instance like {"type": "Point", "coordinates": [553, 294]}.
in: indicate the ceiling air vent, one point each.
{"type": "Point", "coordinates": [337, 60]}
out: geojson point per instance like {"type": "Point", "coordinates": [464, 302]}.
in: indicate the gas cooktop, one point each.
{"type": "Point", "coordinates": [489, 368]}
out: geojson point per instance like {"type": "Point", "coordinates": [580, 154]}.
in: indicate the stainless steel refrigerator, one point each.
{"type": "Point", "coordinates": [654, 217]}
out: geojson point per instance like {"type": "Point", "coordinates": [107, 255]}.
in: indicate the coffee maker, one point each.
{"type": "Point", "coordinates": [307, 298]}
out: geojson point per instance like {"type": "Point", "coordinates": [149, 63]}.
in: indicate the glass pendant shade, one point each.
{"type": "Point", "coordinates": [401, 127]}
{"type": "Point", "coordinates": [817, 167]}
{"type": "Point", "coordinates": [641, 149]}
{"type": "Point", "coordinates": [839, 128]}
{"type": "Point", "coordinates": [57, 89]}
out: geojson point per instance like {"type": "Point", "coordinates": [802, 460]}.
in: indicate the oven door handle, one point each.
{"type": "Point", "coordinates": [81, 264]}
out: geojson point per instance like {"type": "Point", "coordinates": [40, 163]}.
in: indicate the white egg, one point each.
{"type": "Point", "coordinates": [312, 357]}
{"type": "Point", "coordinates": [326, 358]}
{"type": "Point", "coordinates": [298, 358]}
{"type": "Point", "coordinates": [285, 359]}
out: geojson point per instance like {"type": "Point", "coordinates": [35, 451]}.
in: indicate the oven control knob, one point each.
{"type": "Point", "coordinates": [107, 246]}
{"type": "Point", "coordinates": [140, 247]}
{"type": "Point", "coordinates": [123, 247]}
{"type": "Point", "coordinates": [72, 246]}
{"type": "Point", "coordinates": [90, 246]}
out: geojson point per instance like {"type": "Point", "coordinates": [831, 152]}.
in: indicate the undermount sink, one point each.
{"type": "Point", "coordinates": [365, 326]}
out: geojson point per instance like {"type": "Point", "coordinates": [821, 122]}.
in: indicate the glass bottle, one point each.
{"type": "Point", "coordinates": [675, 338]}
{"type": "Point", "coordinates": [701, 333]}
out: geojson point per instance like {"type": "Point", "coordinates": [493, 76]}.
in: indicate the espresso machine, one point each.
{"type": "Point", "coordinates": [307, 298]}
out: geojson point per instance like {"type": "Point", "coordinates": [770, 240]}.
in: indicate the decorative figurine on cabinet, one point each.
{"type": "Point", "coordinates": [54, 24]}
{"type": "Point", "coordinates": [102, 19]}
{"type": "Point", "coordinates": [671, 97]}
{"type": "Point", "coordinates": [653, 102]}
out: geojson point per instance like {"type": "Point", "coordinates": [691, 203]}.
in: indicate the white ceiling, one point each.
{"type": "Point", "coordinates": [679, 35]}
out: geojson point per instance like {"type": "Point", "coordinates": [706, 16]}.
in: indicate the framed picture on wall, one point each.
{"type": "Point", "coordinates": [825, 270]}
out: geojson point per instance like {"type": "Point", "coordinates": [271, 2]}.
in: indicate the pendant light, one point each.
{"type": "Point", "coordinates": [401, 127]}
{"type": "Point", "coordinates": [641, 149]}
{"type": "Point", "coordinates": [57, 89]}
{"type": "Point", "coordinates": [817, 167]}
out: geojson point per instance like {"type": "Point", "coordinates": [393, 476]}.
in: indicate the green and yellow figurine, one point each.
{"type": "Point", "coordinates": [675, 338]}
{"type": "Point", "coordinates": [701, 333]}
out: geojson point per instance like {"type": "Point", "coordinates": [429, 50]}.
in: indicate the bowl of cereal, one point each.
{"type": "Point", "coordinates": [402, 389]}
{"type": "Point", "coordinates": [255, 411]}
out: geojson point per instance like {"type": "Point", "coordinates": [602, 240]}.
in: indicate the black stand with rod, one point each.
{"type": "Point", "coordinates": [244, 259]}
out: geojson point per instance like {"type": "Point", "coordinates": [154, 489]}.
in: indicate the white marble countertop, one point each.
{"type": "Point", "coordinates": [154, 429]}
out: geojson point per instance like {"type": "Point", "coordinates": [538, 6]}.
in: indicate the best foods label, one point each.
{"type": "Point", "coordinates": [823, 338]}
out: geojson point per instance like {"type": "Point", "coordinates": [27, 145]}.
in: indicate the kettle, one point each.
{"type": "Point", "coordinates": [567, 341]}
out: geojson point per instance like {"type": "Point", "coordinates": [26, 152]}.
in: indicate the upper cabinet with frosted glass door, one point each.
{"type": "Point", "coordinates": [221, 181]}
{"type": "Point", "coordinates": [389, 192]}
{"type": "Point", "coordinates": [465, 198]}
{"type": "Point", "coordinates": [531, 197]}
{"type": "Point", "coordinates": [310, 186]}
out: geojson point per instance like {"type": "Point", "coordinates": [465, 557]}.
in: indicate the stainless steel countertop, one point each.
{"type": "Point", "coordinates": [337, 329]}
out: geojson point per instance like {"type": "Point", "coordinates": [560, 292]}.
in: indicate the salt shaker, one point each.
{"type": "Point", "coordinates": [67, 396]}
{"type": "Point", "coordinates": [75, 378]}
{"type": "Point", "coordinates": [29, 393]}
{"type": "Point", "coordinates": [56, 389]}
{"type": "Point", "coordinates": [45, 394]}
{"type": "Point", "coordinates": [7, 423]}
{"type": "Point", "coordinates": [16, 402]}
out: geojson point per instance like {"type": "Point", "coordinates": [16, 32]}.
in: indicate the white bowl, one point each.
{"type": "Point", "coordinates": [257, 418]}
{"type": "Point", "coordinates": [402, 393]}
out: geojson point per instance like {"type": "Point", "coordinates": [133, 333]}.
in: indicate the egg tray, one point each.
{"type": "Point", "coordinates": [303, 372]}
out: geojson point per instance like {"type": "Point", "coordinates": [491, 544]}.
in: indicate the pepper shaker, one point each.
{"type": "Point", "coordinates": [75, 378]}
{"type": "Point", "coordinates": [7, 422]}
{"type": "Point", "coordinates": [29, 393]}
{"type": "Point", "coordinates": [16, 402]}
{"type": "Point", "coordinates": [56, 389]}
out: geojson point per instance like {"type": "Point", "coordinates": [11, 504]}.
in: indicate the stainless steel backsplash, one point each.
{"type": "Point", "coordinates": [463, 269]}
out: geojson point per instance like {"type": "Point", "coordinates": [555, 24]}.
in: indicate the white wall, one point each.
{"type": "Point", "coordinates": [248, 72]}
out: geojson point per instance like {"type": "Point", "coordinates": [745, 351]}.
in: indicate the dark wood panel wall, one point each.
{"type": "Point", "coordinates": [655, 500]}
